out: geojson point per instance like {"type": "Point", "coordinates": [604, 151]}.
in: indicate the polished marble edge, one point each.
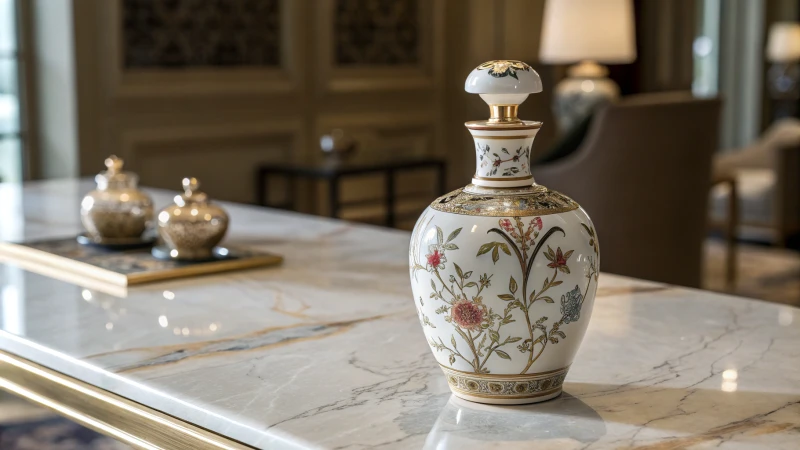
{"type": "Point", "coordinates": [102, 411]}
{"type": "Point", "coordinates": [253, 434]}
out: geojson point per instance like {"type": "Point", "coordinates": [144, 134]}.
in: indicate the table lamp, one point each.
{"type": "Point", "coordinates": [586, 32]}
{"type": "Point", "coordinates": [783, 77]}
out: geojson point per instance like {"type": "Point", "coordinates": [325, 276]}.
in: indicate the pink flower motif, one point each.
{"type": "Point", "coordinates": [436, 259]}
{"type": "Point", "coordinates": [537, 222]}
{"type": "Point", "coordinates": [506, 225]}
{"type": "Point", "coordinates": [467, 315]}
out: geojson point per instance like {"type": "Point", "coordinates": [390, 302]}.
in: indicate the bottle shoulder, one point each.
{"type": "Point", "coordinates": [533, 200]}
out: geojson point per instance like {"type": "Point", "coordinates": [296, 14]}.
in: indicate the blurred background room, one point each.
{"type": "Point", "coordinates": [675, 123]}
{"type": "Point", "coordinates": [355, 109]}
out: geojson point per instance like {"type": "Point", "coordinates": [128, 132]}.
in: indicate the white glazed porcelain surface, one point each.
{"type": "Point", "coordinates": [430, 240]}
{"type": "Point", "coordinates": [326, 350]}
{"type": "Point", "coordinates": [502, 155]}
{"type": "Point", "coordinates": [504, 77]}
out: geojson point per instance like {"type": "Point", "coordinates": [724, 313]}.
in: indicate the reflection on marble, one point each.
{"type": "Point", "coordinates": [463, 425]}
{"type": "Point", "coordinates": [326, 352]}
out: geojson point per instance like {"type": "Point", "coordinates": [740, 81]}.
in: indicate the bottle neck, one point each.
{"type": "Point", "coordinates": [503, 156]}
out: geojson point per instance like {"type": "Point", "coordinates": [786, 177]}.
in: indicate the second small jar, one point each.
{"type": "Point", "coordinates": [193, 226]}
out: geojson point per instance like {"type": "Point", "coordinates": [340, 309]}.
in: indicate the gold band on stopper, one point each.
{"type": "Point", "coordinates": [503, 114]}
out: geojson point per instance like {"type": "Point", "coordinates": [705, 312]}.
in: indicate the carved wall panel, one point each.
{"type": "Point", "coordinates": [376, 32]}
{"type": "Point", "coordinates": [200, 33]}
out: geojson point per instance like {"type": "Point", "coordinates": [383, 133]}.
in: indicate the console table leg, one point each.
{"type": "Point", "coordinates": [333, 196]}
{"type": "Point", "coordinates": [390, 217]}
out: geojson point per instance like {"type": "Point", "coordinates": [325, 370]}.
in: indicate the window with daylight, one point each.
{"type": "Point", "coordinates": [10, 138]}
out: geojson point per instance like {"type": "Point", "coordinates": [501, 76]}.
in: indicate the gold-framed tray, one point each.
{"type": "Point", "coordinates": [122, 268]}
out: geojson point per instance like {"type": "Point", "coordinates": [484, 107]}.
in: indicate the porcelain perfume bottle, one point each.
{"type": "Point", "coordinates": [117, 211]}
{"type": "Point", "coordinates": [504, 271]}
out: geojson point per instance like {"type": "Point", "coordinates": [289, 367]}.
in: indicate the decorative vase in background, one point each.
{"type": "Point", "coordinates": [586, 32]}
{"type": "Point", "coordinates": [783, 77]}
{"type": "Point", "coordinates": [504, 271]}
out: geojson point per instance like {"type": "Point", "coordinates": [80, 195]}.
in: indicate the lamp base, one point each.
{"type": "Point", "coordinates": [586, 88]}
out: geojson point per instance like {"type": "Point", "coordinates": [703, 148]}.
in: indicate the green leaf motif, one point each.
{"type": "Point", "coordinates": [453, 341]}
{"type": "Point", "coordinates": [495, 255]}
{"type": "Point", "coordinates": [453, 235]}
{"type": "Point", "coordinates": [495, 336]}
{"type": "Point", "coordinates": [506, 297]}
{"type": "Point", "coordinates": [504, 248]}
{"type": "Point", "coordinates": [450, 247]}
{"type": "Point", "coordinates": [452, 359]}
{"type": "Point", "coordinates": [501, 353]}
{"type": "Point", "coordinates": [485, 248]}
{"type": "Point", "coordinates": [439, 235]}
{"type": "Point", "coordinates": [458, 270]}
{"type": "Point", "coordinates": [512, 285]}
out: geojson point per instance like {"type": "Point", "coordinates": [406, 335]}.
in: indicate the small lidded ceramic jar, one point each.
{"type": "Point", "coordinates": [193, 226]}
{"type": "Point", "coordinates": [117, 209]}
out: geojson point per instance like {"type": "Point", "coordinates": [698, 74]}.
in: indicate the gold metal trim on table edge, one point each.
{"type": "Point", "coordinates": [107, 413]}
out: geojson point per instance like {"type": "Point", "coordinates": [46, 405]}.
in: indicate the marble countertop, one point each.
{"type": "Point", "coordinates": [327, 352]}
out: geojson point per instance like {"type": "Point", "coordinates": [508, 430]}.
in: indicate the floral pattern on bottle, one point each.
{"type": "Point", "coordinates": [502, 162]}
{"type": "Point", "coordinates": [460, 293]}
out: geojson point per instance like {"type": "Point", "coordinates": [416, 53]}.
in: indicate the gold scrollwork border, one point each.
{"type": "Point", "coordinates": [506, 386]}
{"type": "Point", "coordinates": [504, 202]}
{"type": "Point", "coordinates": [122, 419]}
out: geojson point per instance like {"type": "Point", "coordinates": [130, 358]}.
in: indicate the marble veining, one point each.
{"type": "Point", "coordinates": [325, 351]}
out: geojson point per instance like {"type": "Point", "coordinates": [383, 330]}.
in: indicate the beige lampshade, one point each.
{"type": "Point", "coordinates": [783, 44]}
{"type": "Point", "coordinates": [594, 30]}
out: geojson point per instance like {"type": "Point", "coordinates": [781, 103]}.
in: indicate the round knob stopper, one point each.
{"type": "Point", "coordinates": [503, 82]}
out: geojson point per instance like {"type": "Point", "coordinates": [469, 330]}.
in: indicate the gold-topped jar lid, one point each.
{"type": "Point", "coordinates": [114, 177]}
{"type": "Point", "coordinates": [191, 193]}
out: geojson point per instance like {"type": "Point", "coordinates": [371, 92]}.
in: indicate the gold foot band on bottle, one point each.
{"type": "Point", "coordinates": [497, 387]}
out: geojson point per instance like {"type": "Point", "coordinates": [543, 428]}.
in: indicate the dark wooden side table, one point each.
{"type": "Point", "coordinates": [332, 169]}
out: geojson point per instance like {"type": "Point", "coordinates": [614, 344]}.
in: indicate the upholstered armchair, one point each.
{"type": "Point", "coordinates": [643, 174]}
{"type": "Point", "coordinates": [767, 179]}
